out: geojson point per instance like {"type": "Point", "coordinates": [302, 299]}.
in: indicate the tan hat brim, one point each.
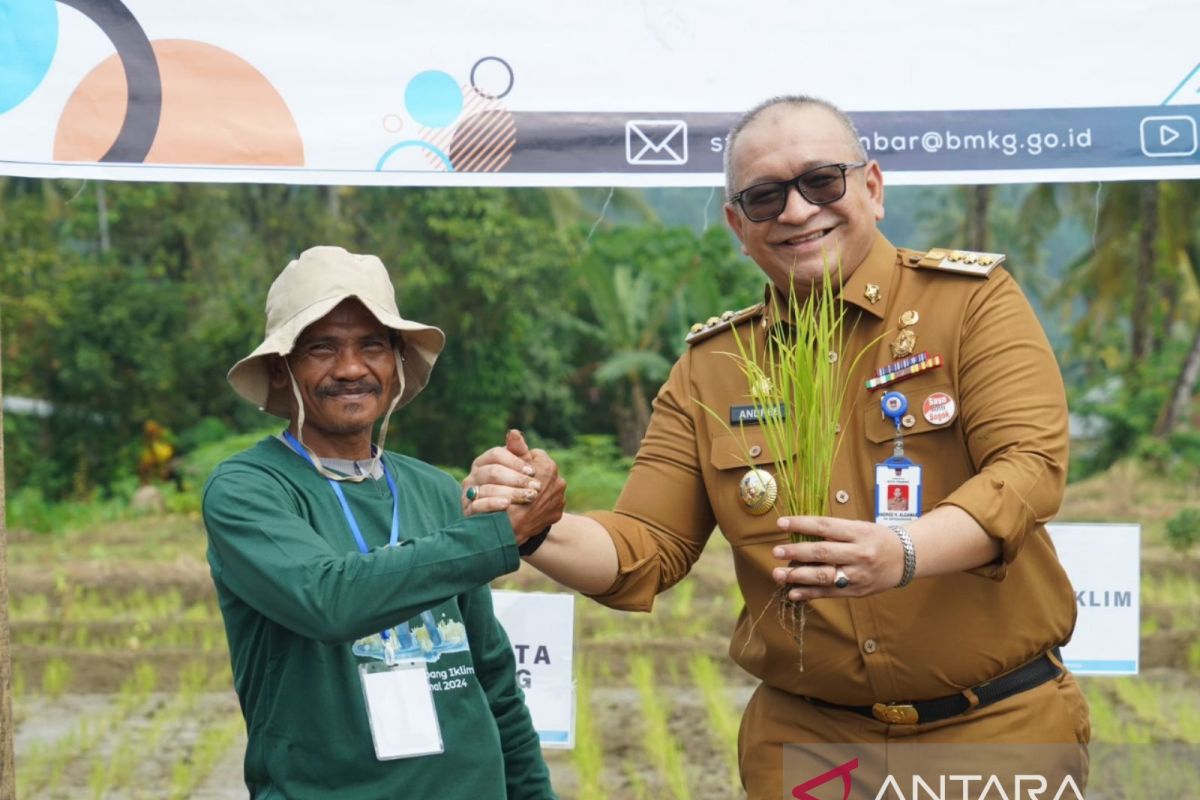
{"type": "Point", "coordinates": [251, 377]}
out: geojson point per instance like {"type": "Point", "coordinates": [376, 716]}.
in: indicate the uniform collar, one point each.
{"type": "Point", "coordinates": [877, 269]}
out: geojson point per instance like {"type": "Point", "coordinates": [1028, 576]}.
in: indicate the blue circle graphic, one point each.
{"type": "Point", "coordinates": [433, 98]}
{"type": "Point", "coordinates": [28, 39]}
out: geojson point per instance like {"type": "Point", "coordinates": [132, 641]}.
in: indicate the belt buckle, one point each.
{"type": "Point", "coordinates": [895, 713]}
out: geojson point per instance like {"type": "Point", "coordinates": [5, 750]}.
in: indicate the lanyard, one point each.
{"type": "Point", "coordinates": [341, 496]}
{"type": "Point", "coordinates": [389, 645]}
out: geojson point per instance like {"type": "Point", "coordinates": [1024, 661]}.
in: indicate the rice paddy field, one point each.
{"type": "Point", "coordinates": [122, 686]}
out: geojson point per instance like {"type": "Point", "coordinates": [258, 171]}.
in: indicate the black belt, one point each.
{"type": "Point", "coordinates": [1035, 673]}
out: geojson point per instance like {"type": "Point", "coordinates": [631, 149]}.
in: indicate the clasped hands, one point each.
{"type": "Point", "coordinates": [869, 556]}
{"type": "Point", "coordinates": [523, 483]}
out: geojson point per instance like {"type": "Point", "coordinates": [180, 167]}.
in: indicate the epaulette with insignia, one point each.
{"type": "Point", "coordinates": [964, 262]}
{"type": "Point", "coordinates": [713, 325]}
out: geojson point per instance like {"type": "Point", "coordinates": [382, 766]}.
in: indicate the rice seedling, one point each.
{"type": "Point", "coordinates": [1188, 722]}
{"type": "Point", "coordinates": [1193, 658]}
{"type": "Point", "coordinates": [637, 785]}
{"type": "Point", "coordinates": [1144, 700]}
{"type": "Point", "coordinates": [18, 681]}
{"type": "Point", "coordinates": [588, 755]}
{"type": "Point", "coordinates": [56, 677]}
{"type": "Point", "coordinates": [1171, 589]}
{"type": "Point", "coordinates": [213, 741]}
{"type": "Point", "coordinates": [1105, 726]}
{"type": "Point", "coordinates": [723, 720]}
{"type": "Point", "coordinates": [681, 599]}
{"type": "Point", "coordinates": [797, 379]}
{"type": "Point", "coordinates": [33, 765]}
{"type": "Point", "coordinates": [664, 751]}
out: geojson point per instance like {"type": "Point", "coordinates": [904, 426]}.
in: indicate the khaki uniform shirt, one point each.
{"type": "Point", "coordinates": [1002, 458]}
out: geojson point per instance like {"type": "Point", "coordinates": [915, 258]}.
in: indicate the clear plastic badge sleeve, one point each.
{"type": "Point", "coordinates": [400, 710]}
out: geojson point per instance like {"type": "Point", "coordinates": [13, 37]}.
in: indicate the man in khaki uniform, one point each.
{"type": "Point", "coordinates": [943, 630]}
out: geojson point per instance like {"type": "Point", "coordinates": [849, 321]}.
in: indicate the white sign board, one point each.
{"type": "Point", "coordinates": [619, 93]}
{"type": "Point", "coordinates": [1103, 562]}
{"type": "Point", "coordinates": [541, 627]}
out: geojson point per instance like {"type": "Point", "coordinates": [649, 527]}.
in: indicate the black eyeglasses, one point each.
{"type": "Point", "coordinates": [820, 186]}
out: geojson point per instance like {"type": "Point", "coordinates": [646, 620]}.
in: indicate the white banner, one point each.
{"type": "Point", "coordinates": [541, 627]}
{"type": "Point", "coordinates": [628, 92]}
{"type": "Point", "coordinates": [1104, 564]}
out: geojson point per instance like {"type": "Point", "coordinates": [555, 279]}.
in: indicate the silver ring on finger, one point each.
{"type": "Point", "coordinates": [840, 579]}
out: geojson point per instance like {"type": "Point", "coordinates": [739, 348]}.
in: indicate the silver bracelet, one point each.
{"type": "Point", "coordinates": [910, 555]}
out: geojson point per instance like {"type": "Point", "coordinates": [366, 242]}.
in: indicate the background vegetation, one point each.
{"type": "Point", "coordinates": [126, 303]}
{"type": "Point", "coordinates": [123, 303]}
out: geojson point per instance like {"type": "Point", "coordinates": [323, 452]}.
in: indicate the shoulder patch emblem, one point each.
{"type": "Point", "coordinates": [713, 325]}
{"type": "Point", "coordinates": [963, 262]}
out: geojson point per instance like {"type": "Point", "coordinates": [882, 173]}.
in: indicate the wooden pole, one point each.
{"type": "Point", "coordinates": [8, 789]}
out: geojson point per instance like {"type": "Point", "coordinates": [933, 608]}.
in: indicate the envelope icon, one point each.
{"type": "Point", "coordinates": [656, 141]}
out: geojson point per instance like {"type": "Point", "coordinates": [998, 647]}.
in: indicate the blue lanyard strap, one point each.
{"type": "Point", "coordinates": [393, 538]}
{"type": "Point", "coordinates": [341, 496]}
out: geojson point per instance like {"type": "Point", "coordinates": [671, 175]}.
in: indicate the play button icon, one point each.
{"type": "Point", "coordinates": [1169, 137]}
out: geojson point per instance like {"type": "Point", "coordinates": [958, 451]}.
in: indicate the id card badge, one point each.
{"type": "Point", "coordinates": [400, 709]}
{"type": "Point", "coordinates": [897, 491]}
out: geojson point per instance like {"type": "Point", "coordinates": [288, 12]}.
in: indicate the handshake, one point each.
{"type": "Point", "coordinates": [522, 482]}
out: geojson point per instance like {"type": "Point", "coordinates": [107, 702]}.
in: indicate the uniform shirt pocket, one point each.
{"type": "Point", "coordinates": [732, 455]}
{"type": "Point", "coordinates": [936, 446]}
{"type": "Point", "coordinates": [880, 429]}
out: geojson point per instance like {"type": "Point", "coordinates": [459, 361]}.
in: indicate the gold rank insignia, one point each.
{"type": "Point", "coordinates": [758, 491]}
{"type": "Point", "coordinates": [964, 262]}
{"type": "Point", "coordinates": [905, 343]}
{"type": "Point", "coordinates": [909, 318]}
{"type": "Point", "coordinates": [713, 325]}
{"type": "Point", "coordinates": [872, 293]}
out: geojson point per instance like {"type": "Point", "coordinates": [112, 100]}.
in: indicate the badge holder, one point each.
{"type": "Point", "coordinates": [400, 708]}
{"type": "Point", "coordinates": [898, 479]}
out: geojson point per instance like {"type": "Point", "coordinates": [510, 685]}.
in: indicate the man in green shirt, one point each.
{"type": "Point", "coordinates": [366, 655]}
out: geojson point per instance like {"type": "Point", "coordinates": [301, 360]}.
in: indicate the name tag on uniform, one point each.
{"type": "Point", "coordinates": [897, 491]}
{"type": "Point", "coordinates": [400, 709]}
{"type": "Point", "coordinates": [753, 415]}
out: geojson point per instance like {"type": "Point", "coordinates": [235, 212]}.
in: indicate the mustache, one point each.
{"type": "Point", "coordinates": [355, 387]}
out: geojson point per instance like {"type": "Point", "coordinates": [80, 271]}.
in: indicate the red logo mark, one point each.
{"type": "Point", "coordinates": [801, 791]}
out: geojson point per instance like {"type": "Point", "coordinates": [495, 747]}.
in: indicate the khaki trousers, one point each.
{"type": "Point", "coordinates": [1054, 713]}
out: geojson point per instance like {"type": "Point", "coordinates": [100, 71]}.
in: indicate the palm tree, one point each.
{"type": "Point", "coordinates": [1138, 275]}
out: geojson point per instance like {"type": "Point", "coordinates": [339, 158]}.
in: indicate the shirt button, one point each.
{"type": "Point", "coordinates": [755, 451]}
{"type": "Point", "coordinates": [842, 496]}
{"type": "Point", "coordinates": [908, 421]}
{"type": "Point", "coordinates": [869, 646]}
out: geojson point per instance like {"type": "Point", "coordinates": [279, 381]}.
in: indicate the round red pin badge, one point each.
{"type": "Point", "coordinates": [938, 408]}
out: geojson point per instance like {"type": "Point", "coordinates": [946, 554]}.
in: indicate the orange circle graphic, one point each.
{"type": "Point", "coordinates": [216, 109]}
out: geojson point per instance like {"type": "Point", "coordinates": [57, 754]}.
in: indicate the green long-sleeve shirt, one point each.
{"type": "Point", "coordinates": [303, 608]}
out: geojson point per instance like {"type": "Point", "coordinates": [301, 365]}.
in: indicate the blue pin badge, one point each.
{"type": "Point", "coordinates": [894, 405]}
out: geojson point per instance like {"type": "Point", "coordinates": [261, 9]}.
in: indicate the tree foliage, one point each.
{"type": "Point", "coordinates": [123, 303]}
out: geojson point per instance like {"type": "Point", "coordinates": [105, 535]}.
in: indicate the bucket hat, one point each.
{"type": "Point", "coordinates": [309, 288]}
